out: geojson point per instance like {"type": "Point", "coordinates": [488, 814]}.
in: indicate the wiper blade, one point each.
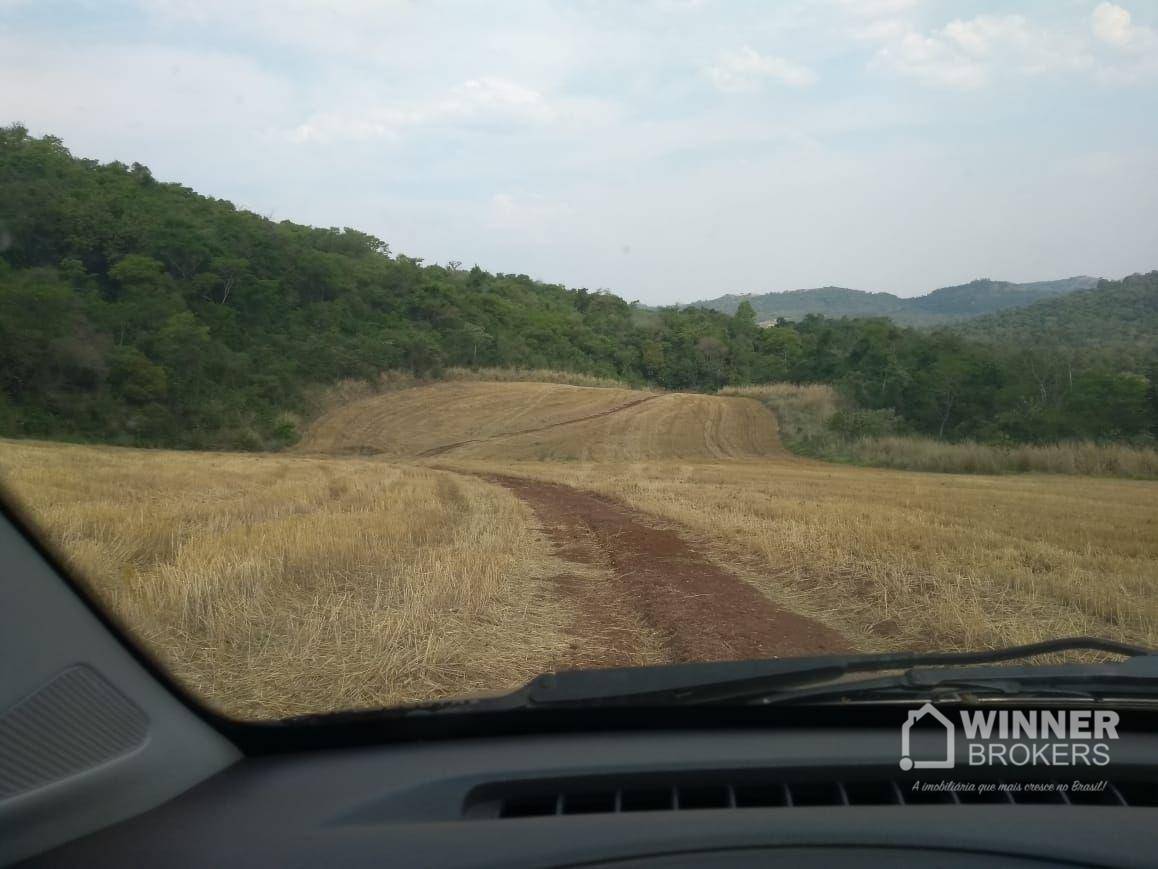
{"type": "Point", "coordinates": [1136, 677]}
{"type": "Point", "coordinates": [742, 681]}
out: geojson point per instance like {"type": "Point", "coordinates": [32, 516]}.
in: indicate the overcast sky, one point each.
{"type": "Point", "coordinates": [664, 150]}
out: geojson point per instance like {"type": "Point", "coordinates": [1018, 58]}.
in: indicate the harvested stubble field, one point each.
{"type": "Point", "coordinates": [278, 585]}
{"type": "Point", "coordinates": [544, 421]}
{"type": "Point", "coordinates": [460, 537]}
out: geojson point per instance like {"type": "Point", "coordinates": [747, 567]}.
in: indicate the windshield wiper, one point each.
{"type": "Point", "coordinates": [1137, 677]}
{"type": "Point", "coordinates": [782, 680]}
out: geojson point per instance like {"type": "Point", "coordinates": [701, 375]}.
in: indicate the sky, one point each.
{"type": "Point", "coordinates": [666, 150]}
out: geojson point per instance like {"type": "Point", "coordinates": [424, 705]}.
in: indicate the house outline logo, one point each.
{"type": "Point", "coordinates": [915, 715]}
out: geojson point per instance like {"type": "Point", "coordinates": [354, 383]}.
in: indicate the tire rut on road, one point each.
{"type": "Point", "coordinates": [701, 611]}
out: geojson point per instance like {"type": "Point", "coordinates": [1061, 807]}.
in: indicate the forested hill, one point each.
{"type": "Point", "coordinates": [945, 305]}
{"type": "Point", "coordinates": [1115, 316]}
{"type": "Point", "coordinates": [139, 312]}
{"type": "Point", "coordinates": [798, 304]}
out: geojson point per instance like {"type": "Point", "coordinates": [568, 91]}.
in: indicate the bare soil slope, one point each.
{"type": "Point", "coordinates": [546, 421]}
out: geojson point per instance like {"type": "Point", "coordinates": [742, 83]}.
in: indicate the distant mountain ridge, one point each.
{"type": "Point", "coordinates": [1118, 315]}
{"type": "Point", "coordinates": [945, 305]}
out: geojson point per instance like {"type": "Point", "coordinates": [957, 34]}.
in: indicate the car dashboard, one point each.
{"type": "Point", "coordinates": [798, 796]}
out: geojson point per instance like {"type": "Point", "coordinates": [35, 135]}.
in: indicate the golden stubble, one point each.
{"type": "Point", "coordinates": [276, 585]}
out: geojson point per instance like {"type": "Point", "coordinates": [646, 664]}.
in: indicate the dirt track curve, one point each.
{"type": "Point", "coordinates": [701, 612]}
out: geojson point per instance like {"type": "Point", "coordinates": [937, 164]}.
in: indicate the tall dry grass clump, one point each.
{"type": "Point", "coordinates": [1076, 457]}
{"type": "Point", "coordinates": [275, 586]}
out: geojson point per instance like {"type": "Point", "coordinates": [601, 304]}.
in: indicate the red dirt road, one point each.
{"type": "Point", "coordinates": [701, 611]}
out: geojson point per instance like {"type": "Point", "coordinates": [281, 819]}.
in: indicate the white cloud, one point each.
{"type": "Point", "coordinates": [497, 92]}
{"type": "Point", "coordinates": [1115, 26]}
{"type": "Point", "coordinates": [877, 20]}
{"type": "Point", "coordinates": [932, 61]}
{"type": "Point", "coordinates": [333, 26]}
{"type": "Point", "coordinates": [978, 36]}
{"type": "Point", "coordinates": [409, 43]}
{"type": "Point", "coordinates": [747, 70]}
{"type": "Point", "coordinates": [1015, 42]}
{"type": "Point", "coordinates": [1131, 50]}
{"type": "Point", "coordinates": [883, 30]}
{"type": "Point", "coordinates": [1112, 24]}
{"type": "Point", "coordinates": [970, 53]}
{"type": "Point", "coordinates": [480, 99]}
{"type": "Point", "coordinates": [878, 8]}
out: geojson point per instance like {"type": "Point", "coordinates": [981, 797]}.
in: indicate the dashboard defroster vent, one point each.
{"type": "Point", "coordinates": [600, 796]}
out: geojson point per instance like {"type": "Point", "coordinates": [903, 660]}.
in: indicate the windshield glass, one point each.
{"type": "Point", "coordinates": [666, 332]}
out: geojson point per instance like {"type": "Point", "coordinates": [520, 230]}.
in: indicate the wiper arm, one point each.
{"type": "Point", "coordinates": [744, 680]}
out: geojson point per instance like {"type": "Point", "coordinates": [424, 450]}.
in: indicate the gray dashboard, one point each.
{"type": "Point", "coordinates": [443, 804]}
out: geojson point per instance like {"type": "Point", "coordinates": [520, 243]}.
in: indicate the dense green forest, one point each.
{"type": "Point", "coordinates": [139, 312]}
{"type": "Point", "coordinates": [946, 305]}
{"type": "Point", "coordinates": [942, 384]}
{"type": "Point", "coordinates": [1118, 318]}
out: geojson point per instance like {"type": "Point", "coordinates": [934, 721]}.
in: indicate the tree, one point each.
{"type": "Point", "coordinates": [477, 336]}
{"type": "Point", "coordinates": [135, 377]}
{"type": "Point", "coordinates": [1110, 405]}
{"type": "Point", "coordinates": [1152, 397]}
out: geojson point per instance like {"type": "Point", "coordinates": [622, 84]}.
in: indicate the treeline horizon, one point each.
{"type": "Point", "coordinates": [141, 313]}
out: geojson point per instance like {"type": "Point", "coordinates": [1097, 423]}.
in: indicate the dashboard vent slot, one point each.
{"type": "Point", "coordinates": [602, 796]}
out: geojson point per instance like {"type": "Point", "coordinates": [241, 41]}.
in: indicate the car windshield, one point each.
{"type": "Point", "coordinates": [359, 355]}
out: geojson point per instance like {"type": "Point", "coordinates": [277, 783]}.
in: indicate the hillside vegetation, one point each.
{"type": "Point", "coordinates": [905, 381]}
{"type": "Point", "coordinates": [1119, 317]}
{"type": "Point", "coordinates": [948, 304]}
{"type": "Point", "coordinates": [816, 421]}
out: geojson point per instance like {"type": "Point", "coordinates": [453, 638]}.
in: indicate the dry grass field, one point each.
{"type": "Point", "coordinates": [385, 560]}
{"type": "Point", "coordinates": [276, 586]}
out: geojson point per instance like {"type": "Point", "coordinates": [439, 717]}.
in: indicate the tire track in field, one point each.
{"type": "Point", "coordinates": [446, 448]}
{"type": "Point", "coordinates": [702, 612]}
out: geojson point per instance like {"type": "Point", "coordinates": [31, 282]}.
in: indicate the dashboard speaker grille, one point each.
{"type": "Point", "coordinates": [75, 722]}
